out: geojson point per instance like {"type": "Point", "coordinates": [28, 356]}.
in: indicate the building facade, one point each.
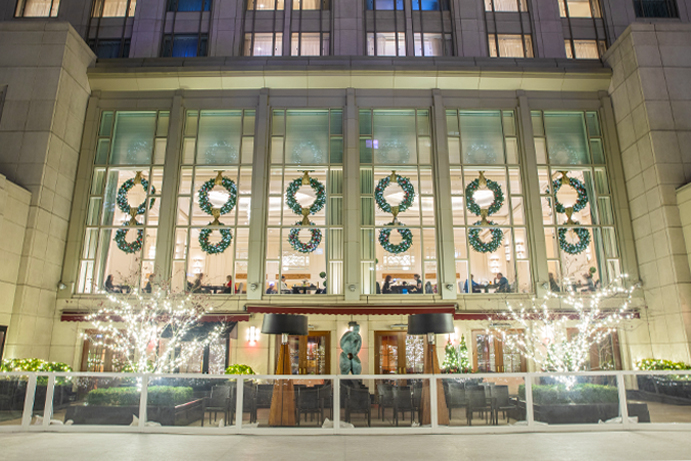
{"type": "Point", "coordinates": [344, 109]}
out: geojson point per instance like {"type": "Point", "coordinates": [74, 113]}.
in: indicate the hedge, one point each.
{"type": "Point", "coordinates": [129, 396]}
{"type": "Point", "coordinates": [557, 394]}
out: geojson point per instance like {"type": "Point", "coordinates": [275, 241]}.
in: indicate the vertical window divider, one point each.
{"type": "Point", "coordinates": [121, 50]}
{"type": "Point", "coordinates": [351, 197]}
{"type": "Point", "coordinates": [532, 203]}
{"type": "Point", "coordinates": [446, 261]}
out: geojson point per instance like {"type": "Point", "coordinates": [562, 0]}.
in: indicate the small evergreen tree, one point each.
{"type": "Point", "coordinates": [463, 359]}
{"type": "Point", "coordinates": [450, 364]}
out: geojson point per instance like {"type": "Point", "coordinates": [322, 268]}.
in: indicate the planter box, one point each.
{"type": "Point", "coordinates": [180, 415]}
{"type": "Point", "coordinates": [590, 413]}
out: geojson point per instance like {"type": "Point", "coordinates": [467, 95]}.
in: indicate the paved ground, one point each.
{"type": "Point", "coordinates": [554, 446]}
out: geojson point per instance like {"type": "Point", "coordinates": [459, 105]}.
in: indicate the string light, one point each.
{"type": "Point", "coordinates": [545, 339]}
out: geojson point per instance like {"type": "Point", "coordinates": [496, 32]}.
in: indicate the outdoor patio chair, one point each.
{"type": "Point", "coordinates": [384, 398]}
{"type": "Point", "coordinates": [502, 402]}
{"type": "Point", "coordinates": [249, 402]}
{"type": "Point", "coordinates": [477, 403]}
{"type": "Point", "coordinates": [455, 396]}
{"type": "Point", "coordinates": [219, 401]}
{"type": "Point", "coordinates": [358, 401]}
{"type": "Point", "coordinates": [307, 402]}
{"type": "Point", "coordinates": [402, 403]}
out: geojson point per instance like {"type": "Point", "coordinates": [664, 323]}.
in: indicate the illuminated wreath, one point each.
{"type": "Point", "coordinates": [216, 248]}
{"type": "Point", "coordinates": [583, 239]}
{"type": "Point", "coordinates": [405, 184]}
{"type": "Point", "coordinates": [482, 247]}
{"type": "Point", "coordinates": [491, 185]}
{"type": "Point", "coordinates": [578, 186]}
{"type": "Point", "coordinates": [121, 238]}
{"type": "Point", "coordinates": [124, 189]}
{"type": "Point", "coordinates": [228, 184]}
{"type": "Point", "coordinates": [385, 236]}
{"type": "Point", "coordinates": [309, 247]}
{"type": "Point", "coordinates": [318, 203]}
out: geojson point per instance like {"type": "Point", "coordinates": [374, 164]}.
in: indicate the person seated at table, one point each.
{"type": "Point", "coordinates": [589, 282]}
{"type": "Point", "coordinates": [228, 287]}
{"type": "Point", "coordinates": [502, 284]}
{"type": "Point", "coordinates": [386, 289]}
{"type": "Point", "coordinates": [474, 285]}
{"type": "Point", "coordinates": [271, 290]}
{"type": "Point", "coordinates": [428, 288]}
{"type": "Point", "coordinates": [197, 285]}
{"type": "Point", "coordinates": [553, 284]}
{"type": "Point", "coordinates": [418, 284]}
{"type": "Point", "coordinates": [405, 288]}
{"type": "Point", "coordinates": [110, 288]}
{"type": "Point", "coordinates": [284, 285]}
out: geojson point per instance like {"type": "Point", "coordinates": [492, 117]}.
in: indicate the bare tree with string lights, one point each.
{"type": "Point", "coordinates": [151, 331]}
{"type": "Point", "coordinates": [545, 340]}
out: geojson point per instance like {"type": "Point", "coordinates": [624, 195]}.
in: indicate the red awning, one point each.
{"type": "Point", "coordinates": [358, 309]}
{"type": "Point", "coordinates": [77, 316]}
{"type": "Point", "coordinates": [498, 316]}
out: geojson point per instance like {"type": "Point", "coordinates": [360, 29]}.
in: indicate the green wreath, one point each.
{"type": "Point", "coordinates": [580, 189]}
{"type": "Point", "coordinates": [318, 203]}
{"type": "Point", "coordinates": [482, 247]}
{"type": "Point", "coordinates": [121, 238]}
{"type": "Point", "coordinates": [583, 239]}
{"type": "Point", "coordinates": [124, 189]}
{"type": "Point", "coordinates": [228, 184]}
{"type": "Point", "coordinates": [385, 239]}
{"type": "Point", "coordinates": [405, 184]}
{"type": "Point", "coordinates": [309, 247]}
{"type": "Point", "coordinates": [491, 185]}
{"type": "Point", "coordinates": [216, 248]}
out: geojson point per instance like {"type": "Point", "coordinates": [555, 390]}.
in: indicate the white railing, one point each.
{"type": "Point", "coordinates": [65, 394]}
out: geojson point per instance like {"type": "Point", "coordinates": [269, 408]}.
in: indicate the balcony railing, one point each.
{"type": "Point", "coordinates": [331, 404]}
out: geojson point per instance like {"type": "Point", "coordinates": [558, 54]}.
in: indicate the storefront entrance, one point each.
{"type": "Point", "coordinates": [309, 355]}
{"type": "Point", "coordinates": [398, 353]}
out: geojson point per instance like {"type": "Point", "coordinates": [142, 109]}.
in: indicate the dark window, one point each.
{"type": "Point", "coordinates": [3, 334]}
{"type": "Point", "coordinates": [382, 5]}
{"type": "Point", "coordinates": [184, 46]}
{"type": "Point", "coordinates": [189, 5]}
{"type": "Point", "coordinates": [656, 9]}
{"type": "Point", "coordinates": [109, 49]}
{"type": "Point", "coordinates": [430, 5]}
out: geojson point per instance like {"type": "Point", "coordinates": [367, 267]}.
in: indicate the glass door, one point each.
{"type": "Point", "coordinates": [398, 353]}
{"type": "Point", "coordinates": [490, 355]}
{"type": "Point", "coordinates": [309, 355]}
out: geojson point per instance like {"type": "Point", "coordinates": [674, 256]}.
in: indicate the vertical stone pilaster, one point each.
{"type": "Point", "coordinates": [351, 195]}
{"type": "Point", "coordinates": [260, 187]}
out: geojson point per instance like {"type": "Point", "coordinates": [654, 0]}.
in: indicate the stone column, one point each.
{"type": "Point", "coordinates": [147, 30]}
{"type": "Point", "coordinates": [446, 261]}
{"type": "Point", "coordinates": [351, 199]}
{"type": "Point", "coordinates": [651, 95]}
{"type": "Point", "coordinates": [260, 187]}
{"type": "Point", "coordinates": [548, 33]}
{"type": "Point", "coordinates": [40, 133]}
{"type": "Point", "coordinates": [349, 33]}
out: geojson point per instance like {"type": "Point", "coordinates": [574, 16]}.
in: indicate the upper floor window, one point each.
{"type": "Point", "coordinates": [124, 200]}
{"type": "Point", "coordinates": [113, 8]}
{"type": "Point", "coordinates": [185, 46]}
{"type": "Point", "coordinates": [264, 44]}
{"type": "Point", "coordinates": [310, 4]}
{"type": "Point", "coordinates": [386, 44]}
{"type": "Point", "coordinates": [584, 49]}
{"type": "Point", "coordinates": [656, 9]}
{"type": "Point", "coordinates": [265, 5]}
{"type": "Point", "coordinates": [309, 44]}
{"type": "Point", "coordinates": [506, 5]}
{"type": "Point", "coordinates": [37, 8]}
{"type": "Point", "coordinates": [579, 8]}
{"type": "Point", "coordinates": [110, 48]}
{"type": "Point", "coordinates": [430, 5]}
{"type": "Point", "coordinates": [189, 5]}
{"type": "Point", "coordinates": [399, 252]}
{"type": "Point", "coordinates": [510, 46]}
{"type": "Point", "coordinates": [433, 44]}
{"type": "Point", "coordinates": [382, 5]}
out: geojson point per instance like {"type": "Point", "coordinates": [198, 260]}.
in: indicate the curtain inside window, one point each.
{"type": "Point", "coordinates": [113, 8]}
{"type": "Point", "coordinates": [40, 8]}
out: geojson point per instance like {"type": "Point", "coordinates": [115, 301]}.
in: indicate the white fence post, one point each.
{"type": "Point", "coordinates": [48, 405]}
{"type": "Point", "coordinates": [143, 397]}
{"type": "Point", "coordinates": [623, 404]}
{"type": "Point", "coordinates": [29, 401]}
{"type": "Point", "coordinates": [336, 404]}
{"type": "Point", "coordinates": [239, 397]}
{"type": "Point", "coordinates": [529, 416]}
{"type": "Point", "coordinates": [434, 410]}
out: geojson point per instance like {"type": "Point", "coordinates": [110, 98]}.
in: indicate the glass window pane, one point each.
{"type": "Point", "coordinates": [336, 122]}
{"type": "Point", "coordinates": [482, 141]}
{"type": "Point", "coordinates": [106, 124]}
{"type": "Point", "coordinates": [307, 136]}
{"type": "Point", "coordinates": [133, 137]}
{"type": "Point", "coordinates": [219, 137]}
{"type": "Point", "coordinates": [566, 138]}
{"type": "Point", "coordinates": [394, 137]}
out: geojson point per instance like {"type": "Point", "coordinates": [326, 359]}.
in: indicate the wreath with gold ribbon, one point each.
{"type": "Point", "coordinates": [404, 232]}
{"type": "Point", "coordinates": [311, 245]}
{"type": "Point", "coordinates": [121, 238]}
{"type": "Point", "coordinates": [485, 247]}
{"type": "Point", "coordinates": [315, 207]}
{"type": "Point", "coordinates": [122, 200]}
{"type": "Point", "coordinates": [206, 206]}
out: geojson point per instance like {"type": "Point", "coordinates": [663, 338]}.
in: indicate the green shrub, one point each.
{"type": "Point", "coordinates": [37, 365]}
{"type": "Point", "coordinates": [239, 369]}
{"type": "Point", "coordinates": [657, 364]}
{"type": "Point", "coordinates": [129, 396]}
{"type": "Point", "coordinates": [557, 394]}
